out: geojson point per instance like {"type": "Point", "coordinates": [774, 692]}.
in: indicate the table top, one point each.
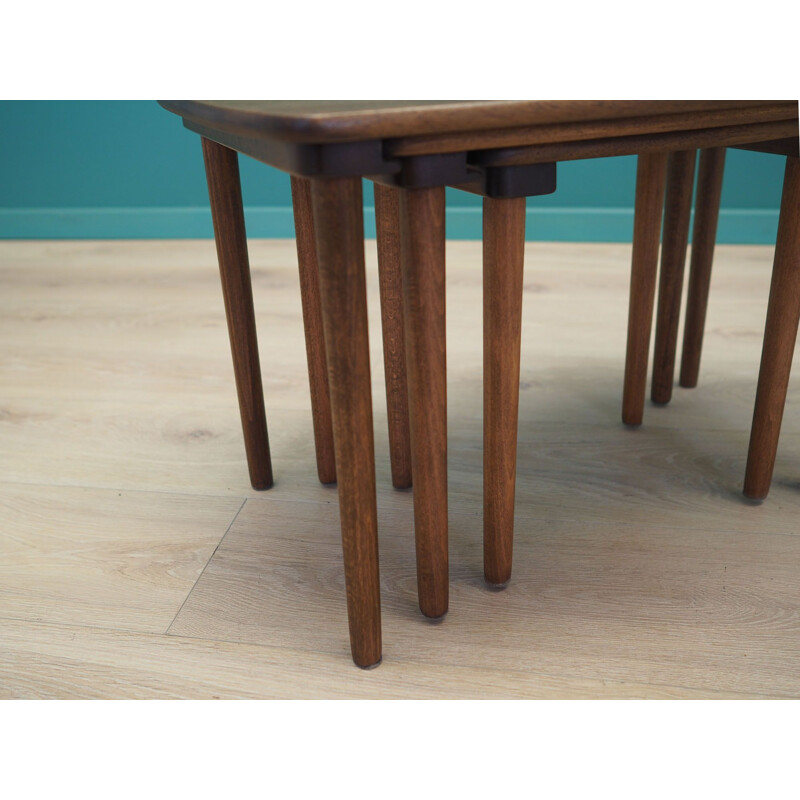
{"type": "Point", "coordinates": [327, 121]}
{"type": "Point", "coordinates": [415, 144]}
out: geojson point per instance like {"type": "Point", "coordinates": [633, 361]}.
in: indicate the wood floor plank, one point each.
{"type": "Point", "coordinates": [102, 557]}
{"type": "Point", "coordinates": [566, 466]}
{"type": "Point", "coordinates": [639, 570]}
{"type": "Point", "coordinates": [668, 477]}
{"type": "Point", "coordinates": [131, 339]}
{"type": "Point", "coordinates": [711, 610]}
{"type": "Point", "coordinates": [58, 662]}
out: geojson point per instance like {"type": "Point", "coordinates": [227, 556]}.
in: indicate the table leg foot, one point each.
{"type": "Point", "coordinates": [225, 194]}
{"type": "Point", "coordinates": [780, 334]}
{"type": "Point", "coordinates": [423, 267]}
{"type": "Point", "coordinates": [312, 322]}
{"type": "Point", "coordinates": [650, 179]}
{"type": "Point", "coordinates": [339, 227]}
{"type": "Point", "coordinates": [704, 235]}
{"type": "Point", "coordinates": [503, 259]}
{"type": "Point", "coordinates": [677, 215]}
{"type": "Point", "coordinates": [387, 223]}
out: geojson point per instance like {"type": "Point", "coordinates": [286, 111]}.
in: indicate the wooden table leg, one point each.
{"type": "Point", "coordinates": [503, 259]}
{"type": "Point", "coordinates": [780, 333]}
{"type": "Point", "coordinates": [704, 235]}
{"type": "Point", "coordinates": [650, 178]}
{"type": "Point", "coordinates": [315, 336]}
{"type": "Point", "coordinates": [675, 239]}
{"type": "Point", "coordinates": [387, 222]}
{"type": "Point", "coordinates": [339, 226]}
{"type": "Point", "coordinates": [225, 194]}
{"type": "Point", "coordinates": [423, 266]}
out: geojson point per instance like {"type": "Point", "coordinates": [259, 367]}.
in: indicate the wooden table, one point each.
{"type": "Point", "coordinates": [503, 150]}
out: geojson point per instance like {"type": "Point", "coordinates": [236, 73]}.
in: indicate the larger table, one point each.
{"type": "Point", "coordinates": [503, 150]}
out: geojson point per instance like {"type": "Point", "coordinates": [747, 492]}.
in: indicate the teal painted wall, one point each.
{"type": "Point", "coordinates": [128, 169]}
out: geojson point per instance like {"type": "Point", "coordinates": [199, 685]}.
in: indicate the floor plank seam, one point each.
{"type": "Point", "coordinates": [93, 486]}
{"type": "Point", "coordinates": [82, 625]}
{"type": "Point", "coordinates": [205, 566]}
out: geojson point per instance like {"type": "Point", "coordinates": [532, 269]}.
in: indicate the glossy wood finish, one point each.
{"type": "Point", "coordinates": [503, 260]}
{"type": "Point", "coordinates": [675, 239]}
{"type": "Point", "coordinates": [590, 129]}
{"type": "Point", "coordinates": [639, 144]}
{"type": "Point", "coordinates": [314, 329]}
{"type": "Point", "coordinates": [780, 333]}
{"type": "Point", "coordinates": [354, 138]}
{"type": "Point", "coordinates": [358, 120]}
{"type": "Point", "coordinates": [387, 223]}
{"type": "Point", "coordinates": [225, 194]}
{"type": "Point", "coordinates": [339, 229]}
{"type": "Point", "coordinates": [650, 179]}
{"type": "Point", "coordinates": [704, 236]}
{"type": "Point", "coordinates": [422, 228]}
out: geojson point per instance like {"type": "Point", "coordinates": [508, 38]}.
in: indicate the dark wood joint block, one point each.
{"type": "Point", "coordinates": [780, 147]}
{"type": "Point", "coordinates": [426, 172]}
{"type": "Point", "coordinates": [502, 183]}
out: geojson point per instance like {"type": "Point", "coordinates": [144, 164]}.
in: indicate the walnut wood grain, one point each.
{"type": "Point", "coordinates": [592, 129]}
{"type": "Point", "coordinates": [780, 333]}
{"type": "Point", "coordinates": [314, 329]}
{"type": "Point", "coordinates": [225, 195]}
{"type": "Point", "coordinates": [675, 239]}
{"type": "Point", "coordinates": [650, 179]}
{"type": "Point", "coordinates": [422, 228]}
{"type": "Point", "coordinates": [704, 235]}
{"type": "Point", "coordinates": [503, 260]}
{"type": "Point", "coordinates": [356, 120]}
{"type": "Point", "coordinates": [339, 229]}
{"type": "Point", "coordinates": [390, 276]}
{"type": "Point", "coordinates": [636, 145]}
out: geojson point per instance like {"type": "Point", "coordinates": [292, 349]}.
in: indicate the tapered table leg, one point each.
{"type": "Point", "coordinates": [387, 222]}
{"type": "Point", "coordinates": [315, 336]}
{"type": "Point", "coordinates": [423, 265]}
{"type": "Point", "coordinates": [704, 235]}
{"type": "Point", "coordinates": [339, 226]}
{"type": "Point", "coordinates": [677, 214]}
{"type": "Point", "coordinates": [225, 194]}
{"type": "Point", "coordinates": [780, 333]}
{"type": "Point", "coordinates": [503, 258]}
{"type": "Point", "coordinates": [650, 178]}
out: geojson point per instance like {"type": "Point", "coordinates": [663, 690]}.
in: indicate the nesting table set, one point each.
{"type": "Point", "coordinates": [504, 151]}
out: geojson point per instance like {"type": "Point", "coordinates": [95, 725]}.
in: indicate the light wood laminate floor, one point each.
{"type": "Point", "coordinates": [136, 562]}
